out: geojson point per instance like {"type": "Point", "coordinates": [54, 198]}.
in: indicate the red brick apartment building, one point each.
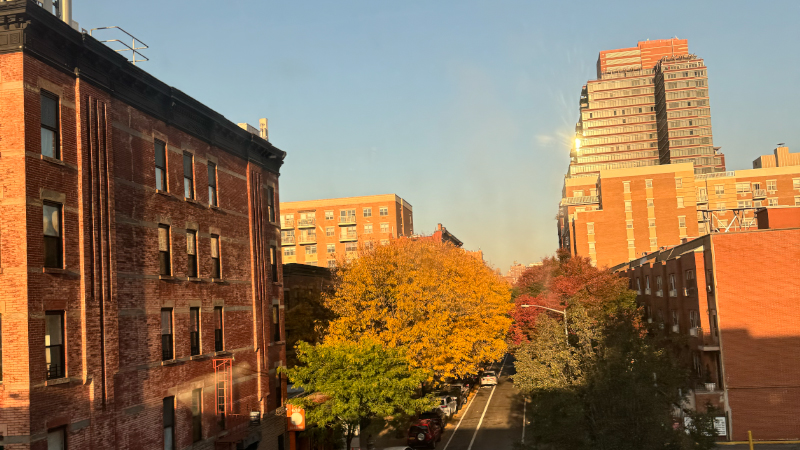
{"type": "Point", "coordinates": [140, 295]}
{"type": "Point", "coordinates": [317, 232]}
{"type": "Point", "coordinates": [620, 214]}
{"type": "Point", "coordinates": [734, 296]}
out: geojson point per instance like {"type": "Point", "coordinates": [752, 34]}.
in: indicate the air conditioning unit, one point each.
{"type": "Point", "coordinates": [694, 331]}
{"type": "Point", "coordinates": [676, 329]}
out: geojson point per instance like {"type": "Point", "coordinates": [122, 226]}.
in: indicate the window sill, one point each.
{"type": "Point", "coordinates": [194, 279]}
{"type": "Point", "coordinates": [223, 353]}
{"type": "Point", "coordinates": [167, 278]}
{"type": "Point", "coordinates": [277, 343]}
{"type": "Point", "coordinates": [169, 362]}
{"type": "Point", "coordinates": [57, 381]}
{"type": "Point", "coordinates": [58, 271]}
{"type": "Point", "coordinates": [52, 160]}
{"type": "Point", "coordinates": [198, 357]}
{"type": "Point", "coordinates": [218, 280]}
{"type": "Point", "coordinates": [193, 201]}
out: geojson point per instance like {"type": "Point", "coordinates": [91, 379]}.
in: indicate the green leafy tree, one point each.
{"type": "Point", "coordinates": [612, 383]}
{"type": "Point", "coordinates": [350, 384]}
{"type": "Point", "coordinates": [306, 321]}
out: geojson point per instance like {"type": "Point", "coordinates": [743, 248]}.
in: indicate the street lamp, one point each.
{"type": "Point", "coordinates": [563, 313]}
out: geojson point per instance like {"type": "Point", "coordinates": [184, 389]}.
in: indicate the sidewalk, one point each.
{"type": "Point", "coordinates": [790, 445]}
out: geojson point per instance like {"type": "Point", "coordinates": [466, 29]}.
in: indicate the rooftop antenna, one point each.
{"type": "Point", "coordinates": [134, 48]}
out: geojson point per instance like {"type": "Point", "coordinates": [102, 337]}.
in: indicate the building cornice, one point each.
{"type": "Point", "coordinates": [28, 28]}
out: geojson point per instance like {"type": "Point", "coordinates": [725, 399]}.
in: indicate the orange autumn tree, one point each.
{"type": "Point", "coordinates": [447, 309]}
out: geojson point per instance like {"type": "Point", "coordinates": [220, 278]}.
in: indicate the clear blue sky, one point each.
{"type": "Point", "coordinates": [463, 108]}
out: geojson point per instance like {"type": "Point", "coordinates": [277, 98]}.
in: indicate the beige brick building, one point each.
{"type": "Point", "coordinates": [316, 232]}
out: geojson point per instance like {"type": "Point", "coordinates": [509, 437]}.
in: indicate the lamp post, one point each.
{"type": "Point", "coordinates": [563, 313]}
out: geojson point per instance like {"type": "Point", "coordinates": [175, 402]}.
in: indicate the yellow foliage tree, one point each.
{"type": "Point", "coordinates": [446, 308]}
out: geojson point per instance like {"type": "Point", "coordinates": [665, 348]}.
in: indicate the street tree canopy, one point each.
{"type": "Point", "coordinates": [612, 384]}
{"type": "Point", "coordinates": [351, 383]}
{"type": "Point", "coordinates": [446, 307]}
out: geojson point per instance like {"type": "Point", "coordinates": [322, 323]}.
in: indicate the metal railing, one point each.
{"type": "Point", "coordinates": [307, 222]}
{"type": "Point", "coordinates": [128, 48]}
{"type": "Point", "coordinates": [759, 193]}
{"type": "Point", "coordinates": [287, 223]}
{"type": "Point", "coordinates": [308, 238]}
{"type": "Point", "coordinates": [585, 200]}
{"type": "Point", "coordinates": [286, 240]}
{"type": "Point", "coordinates": [348, 236]}
{"type": "Point", "coordinates": [347, 219]}
{"type": "Point", "coordinates": [702, 198]}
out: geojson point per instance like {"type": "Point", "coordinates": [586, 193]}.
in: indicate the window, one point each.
{"type": "Point", "coordinates": [276, 323]}
{"type": "Point", "coordinates": [383, 211]}
{"type": "Point", "coordinates": [742, 188]}
{"type": "Point", "coordinates": [689, 275]}
{"type": "Point", "coordinates": [648, 184]}
{"type": "Point", "coordinates": [368, 228]}
{"type": "Point", "coordinates": [331, 263]}
{"type": "Point", "coordinates": [682, 221]}
{"type": "Point", "coordinates": [369, 245]}
{"type": "Point", "coordinates": [329, 231]}
{"type": "Point", "coordinates": [384, 228]}
{"type": "Point", "coordinates": [647, 282]}
{"type": "Point", "coordinates": [578, 193]}
{"type": "Point", "coordinates": [329, 215]}
{"type": "Point", "coordinates": [311, 250]}
{"type": "Point", "coordinates": [194, 331]}
{"type": "Point", "coordinates": [57, 439]}
{"type": "Point", "coordinates": [653, 242]}
{"type": "Point", "coordinates": [757, 204]}
{"type": "Point", "coordinates": [650, 203]}
{"type": "Point", "coordinates": [350, 247]}
{"type": "Point", "coordinates": [797, 201]}
{"type": "Point", "coordinates": [271, 204]}
{"type": "Point", "coordinates": [188, 175]}
{"type": "Point", "coordinates": [161, 165]}
{"type": "Point", "coordinates": [191, 252]}
{"type": "Point", "coordinates": [638, 284]}
{"type": "Point", "coordinates": [659, 284]}
{"type": "Point", "coordinates": [694, 319]}
{"type": "Point", "coordinates": [218, 324]}
{"type": "Point", "coordinates": [721, 207]}
{"type": "Point", "coordinates": [680, 202]}
{"type": "Point", "coordinates": [212, 184]}
{"type": "Point", "coordinates": [50, 132]}
{"type": "Point", "coordinates": [168, 414]}
{"type": "Point", "coordinates": [773, 202]}
{"type": "Point", "coordinates": [772, 185]}
{"type": "Point", "coordinates": [678, 183]}
{"type": "Point", "coordinates": [273, 262]}
{"type": "Point", "coordinates": [331, 248]}
{"type": "Point", "coordinates": [629, 224]}
{"type": "Point", "coordinates": [347, 216]}
{"type": "Point", "coordinates": [53, 244]}
{"type": "Point", "coordinates": [197, 415]}
{"type": "Point", "coordinates": [216, 270]}
{"type": "Point", "coordinates": [651, 223]}
{"type": "Point", "coordinates": [593, 192]}
{"type": "Point", "coordinates": [54, 344]}
{"type": "Point", "coordinates": [384, 242]}
{"type": "Point", "coordinates": [590, 228]}
{"type": "Point", "coordinates": [591, 247]}
{"type": "Point", "coordinates": [675, 316]}
{"type": "Point", "coordinates": [795, 183]}
{"type": "Point", "coordinates": [626, 186]}
{"type": "Point", "coordinates": [367, 212]}
{"type": "Point", "coordinates": [630, 243]}
{"type": "Point", "coordinates": [627, 205]}
{"type": "Point", "coordinates": [756, 186]}
{"type": "Point", "coordinates": [288, 252]}
{"type": "Point", "coordinates": [672, 281]}
{"type": "Point", "coordinates": [164, 245]}
{"type": "Point", "coordinates": [719, 189]}
{"type": "Point", "coordinates": [166, 335]}
{"type": "Point", "coordinates": [745, 204]}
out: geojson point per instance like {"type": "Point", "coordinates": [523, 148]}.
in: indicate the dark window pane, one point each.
{"type": "Point", "coordinates": [161, 154]}
{"type": "Point", "coordinates": [212, 174]}
{"type": "Point", "coordinates": [197, 415]}
{"type": "Point", "coordinates": [218, 328]}
{"type": "Point", "coordinates": [187, 166]}
{"type": "Point", "coordinates": [54, 344]}
{"type": "Point", "coordinates": [194, 330]}
{"type": "Point", "coordinates": [49, 111]}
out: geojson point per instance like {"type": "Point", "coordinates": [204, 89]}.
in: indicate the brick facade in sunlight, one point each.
{"type": "Point", "coordinates": [105, 328]}
{"type": "Point", "coordinates": [734, 297]}
{"type": "Point", "coordinates": [621, 214]}
{"type": "Point", "coordinates": [317, 232]}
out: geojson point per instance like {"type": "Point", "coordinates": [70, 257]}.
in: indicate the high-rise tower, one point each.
{"type": "Point", "coordinates": [621, 123]}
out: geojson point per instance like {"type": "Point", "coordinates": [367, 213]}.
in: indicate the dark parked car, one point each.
{"type": "Point", "coordinates": [435, 417]}
{"type": "Point", "coordinates": [424, 433]}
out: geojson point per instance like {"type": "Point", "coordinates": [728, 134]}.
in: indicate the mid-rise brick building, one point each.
{"type": "Point", "coordinates": [648, 106]}
{"type": "Point", "coordinates": [317, 232]}
{"type": "Point", "coordinates": [733, 298]}
{"type": "Point", "coordinates": [620, 214]}
{"type": "Point", "coordinates": [140, 296]}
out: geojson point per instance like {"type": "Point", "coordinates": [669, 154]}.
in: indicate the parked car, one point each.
{"type": "Point", "coordinates": [448, 404]}
{"type": "Point", "coordinates": [435, 417]}
{"type": "Point", "coordinates": [424, 433]}
{"type": "Point", "coordinates": [398, 448]}
{"type": "Point", "coordinates": [488, 378]}
{"type": "Point", "coordinates": [457, 391]}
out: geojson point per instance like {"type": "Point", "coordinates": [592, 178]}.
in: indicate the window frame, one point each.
{"type": "Point", "coordinates": [61, 369]}
{"type": "Point", "coordinates": [213, 193]}
{"type": "Point", "coordinates": [366, 211]}
{"type": "Point", "coordinates": [271, 204]}
{"type": "Point", "coordinates": [382, 209]}
{"type": "Point", "coordinates": [168, 412]}
{"type": "Point", "coordinates": [192, 269]}
{"type": "Point", "coordinates": [194, 331]}
{"type": "Point", "coordinates": [58, 240]}
{"type": "Point", "coordinates": [273, 262]}
{"type": "Point", "coordinates": [165, 256]}
{"type": "Point", "coordinates": [216, 262]}
{"type": "Point", "coordinates": [197, 415]}
{"type": "Point", "coordinates": [276, 323]}
{"type": "Point", "coordinates": [62, 430]}
{"type": "Point", "coordinates": [164, 177]}
{"type": "Point", "coordinates": [219, 329]}
{"type": "Point", "coordinates": [55, 130]}
{"type": "Point", "coordinates": [167, 343]}
{"type": "Point", "coordinates": [190, 185]}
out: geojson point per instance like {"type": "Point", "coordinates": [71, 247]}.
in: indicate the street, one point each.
{"type": "Point", "coordinates": [492, 420]}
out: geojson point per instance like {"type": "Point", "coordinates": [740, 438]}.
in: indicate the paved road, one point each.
{"type": "Point", "coordinates": [491, 421]}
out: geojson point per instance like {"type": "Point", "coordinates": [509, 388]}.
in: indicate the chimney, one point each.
{"type": "Point", "coordinates": [65, 7]}
{"type": "Point", "coordinates": [439, 227]}
{"type": "Point", "coordinates": [263, 129]}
